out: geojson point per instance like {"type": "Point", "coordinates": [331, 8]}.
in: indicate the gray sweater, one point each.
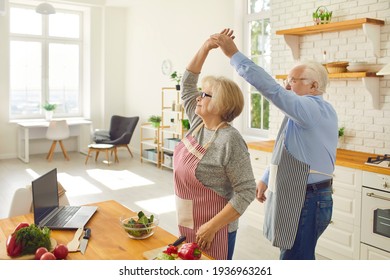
{"type": "Point", "coordinates": [226, 167]}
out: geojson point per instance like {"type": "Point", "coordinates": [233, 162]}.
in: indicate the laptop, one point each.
{"type": "Point", "coordinates": [47, 211]}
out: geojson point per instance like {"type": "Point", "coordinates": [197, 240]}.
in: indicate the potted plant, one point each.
{"type": "Point", "coordinates": [176, 77]}
{"type": "Point", "coordinates": [322, 15]}
{"type": "Point", "coordinates": [49, 110]}
{"type": "Point", "coordinates": [186, 124]}
{"type": "Point", "coordinates": [341, 131]}
{"type": "Point", "coordinates": [155, 120]}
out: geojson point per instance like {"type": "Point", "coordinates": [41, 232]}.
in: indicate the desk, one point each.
{"type": "Point", "coordinates": [28, 130]}
{"type": "Point", "coordinates": [108, 240]}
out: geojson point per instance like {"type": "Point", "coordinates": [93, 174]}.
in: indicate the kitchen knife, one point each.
{"type": "Point", "coordinates": [73, 245]}
{"type": "Point", "coordinates": [178, 241]}
{"type": "Point", "coordinates": [84, 241]}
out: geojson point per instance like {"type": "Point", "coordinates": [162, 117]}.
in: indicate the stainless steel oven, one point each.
{"type": "Point", "coordinates": [375, 218]}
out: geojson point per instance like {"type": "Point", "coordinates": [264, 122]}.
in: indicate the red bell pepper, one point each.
{"type": "Point", "coordinates": [15, 248]}
{"type": "Point", "coordinates": [190, 251]}
{"type": "Point", "coordinates": [171, 250]}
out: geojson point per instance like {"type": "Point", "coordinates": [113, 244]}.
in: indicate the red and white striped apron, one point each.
{"type": "Point", "coordinates": [197, 204]}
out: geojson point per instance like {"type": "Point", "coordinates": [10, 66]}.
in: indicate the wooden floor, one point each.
{"type": "Point", "coordinates": [134, 184]}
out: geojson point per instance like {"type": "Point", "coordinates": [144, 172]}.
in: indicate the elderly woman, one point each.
{"type": "Point", "coordinates": [214, 182]}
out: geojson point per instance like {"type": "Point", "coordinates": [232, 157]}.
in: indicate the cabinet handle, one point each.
{"type": "Point", "coordinates": [378, 196]}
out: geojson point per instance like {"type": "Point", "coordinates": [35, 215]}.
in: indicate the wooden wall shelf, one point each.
{"type": "Point", "coordinates": [371, 28]}
{"type": "Point", "coordinates": [330, 27]}
{"type": "Point", "coordinates": [341, 75]}
{"type": "Point", "coordinates": [370, 81]}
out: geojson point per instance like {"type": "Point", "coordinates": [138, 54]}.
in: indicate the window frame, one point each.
{"type": "Point", "coordinates": [45, 40]}
{"type": "Point", "coordinates": [247, 19]}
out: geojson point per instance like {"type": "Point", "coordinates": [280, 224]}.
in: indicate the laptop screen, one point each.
{"type": "Point", "coordinates": [45, 195]}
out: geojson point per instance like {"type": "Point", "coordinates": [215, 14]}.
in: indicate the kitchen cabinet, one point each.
{"type": "Point", "coordinates": [341, 239]}
{"type": "Point", "coordinates": [371, 29]}
{"type": "Point", "coordinates": [372, 253]}
{"type": "Point", "coordinates": [255, 211]}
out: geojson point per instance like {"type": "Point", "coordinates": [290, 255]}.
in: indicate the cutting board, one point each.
{"type": "Point", "coordinates": [151, 254]}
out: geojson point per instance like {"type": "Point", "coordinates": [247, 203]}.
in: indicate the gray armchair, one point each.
{"type": "Point", "coordinates": [120, 133]}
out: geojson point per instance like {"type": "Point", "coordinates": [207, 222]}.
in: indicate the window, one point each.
{"type": "Point", "coordinates": [258, 46]}
{"type": "Point", "coordinates": [45, 62]}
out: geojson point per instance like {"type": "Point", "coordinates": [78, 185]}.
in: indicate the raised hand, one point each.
{"type": "Point", "coordinates": [224, 40]}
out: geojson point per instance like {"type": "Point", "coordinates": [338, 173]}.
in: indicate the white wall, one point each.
{"type": "Point", "coordinates": [173, 30]}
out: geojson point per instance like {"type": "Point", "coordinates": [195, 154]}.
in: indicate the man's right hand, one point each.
{"type": "Point", "coordinates": [260, 191]}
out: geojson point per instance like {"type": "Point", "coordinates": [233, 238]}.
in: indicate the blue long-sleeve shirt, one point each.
{"type": "Point", "coordinates": [312, 128]}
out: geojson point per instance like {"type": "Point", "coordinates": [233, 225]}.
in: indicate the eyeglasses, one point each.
{"type": "Point", "coordinates": [203, 95]}
{"type": "Point", "coordinates": [293, 80]}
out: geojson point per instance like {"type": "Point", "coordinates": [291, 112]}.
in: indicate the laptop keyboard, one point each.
{"type": "Point", "coordinates": [63, 216]}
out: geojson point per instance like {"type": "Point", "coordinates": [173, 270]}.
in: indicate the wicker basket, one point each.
{"type": "Point", "coordinates": [337, 67]}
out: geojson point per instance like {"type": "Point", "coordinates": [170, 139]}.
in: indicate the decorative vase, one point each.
{"type": "Point", "coordinates": [48, 115]}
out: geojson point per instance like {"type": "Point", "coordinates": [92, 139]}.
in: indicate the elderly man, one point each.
{"type": "Point", "coordinates": [298, 181]}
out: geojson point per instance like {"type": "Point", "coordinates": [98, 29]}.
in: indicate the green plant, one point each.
{"type": "Point", "coordinates": [176, 77]}
{"type": "Point", "coordinates": [322, 15]}
{"type": "Point", "coordinates": [186, 124]}
{"type": "Point", "coordinates": [49, 107]}
{"type": "Point", "coordinates": [155, 120]}
{"type": "Point", "coordinates": [341, 131]}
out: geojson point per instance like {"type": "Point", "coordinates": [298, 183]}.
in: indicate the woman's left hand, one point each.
{"type": "Point", "coordinates": [205, 236]}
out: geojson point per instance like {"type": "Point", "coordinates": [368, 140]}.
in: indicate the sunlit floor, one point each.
{"type": "Point", "coordinates": [134, 184]}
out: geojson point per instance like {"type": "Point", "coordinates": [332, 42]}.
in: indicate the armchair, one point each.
{"type": "Point", "coordinates": [120, 132]}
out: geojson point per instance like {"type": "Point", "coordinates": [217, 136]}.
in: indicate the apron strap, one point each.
{"type": "Point", "coordinates": [197, 129]}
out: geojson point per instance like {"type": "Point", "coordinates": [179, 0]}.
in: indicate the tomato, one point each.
{"type": "Point", "coordinates": [61, 251]}
{"type": "Point", "coordinates": [39, 252]}
{"type": "Point", "coordinates": [48, 256]}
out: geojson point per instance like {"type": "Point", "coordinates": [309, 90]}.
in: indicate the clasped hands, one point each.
{"type": "Point", "coordinates": [224, 40]}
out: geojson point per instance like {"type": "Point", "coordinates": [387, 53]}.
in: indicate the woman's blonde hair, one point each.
{"type": "Point", "coordinates": [227, 98]}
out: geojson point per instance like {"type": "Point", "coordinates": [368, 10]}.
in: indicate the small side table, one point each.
{"type": "Point", "coordinates": [102, 148]}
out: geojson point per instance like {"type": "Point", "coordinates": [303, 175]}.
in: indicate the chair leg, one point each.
{"type": "Point", "coordinates": [116, 154]}
{"type": "Point", "coordinates": [96, 155]}
{"type": "Point", "coordinates": [63, 150]}
{"type": "Point", "coordinates": [51, 151]}
{"type": "Point", "coordinates": [129, 150]}
{"type": "Point", "coordinates": [107, 158]}
{"type": "Point", "coordinates": [89, 152]}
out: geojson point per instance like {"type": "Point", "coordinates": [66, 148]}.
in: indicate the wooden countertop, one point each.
{"type": "Point", "coordinates": [344, 158]}
{"type": "Point", "coordinates": [108, 240]}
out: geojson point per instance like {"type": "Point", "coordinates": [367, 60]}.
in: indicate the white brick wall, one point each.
{"type": "Point", "coordinates": [366, 129]}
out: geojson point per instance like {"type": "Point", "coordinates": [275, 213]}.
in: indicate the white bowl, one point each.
{"type": "Point", "coordinates": [365, 68]}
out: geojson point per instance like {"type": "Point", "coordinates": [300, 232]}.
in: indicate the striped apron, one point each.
{"type": "Point", "coordinates": [286, 194]}
{"type": "Point", "coordinates": [196, 204]}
